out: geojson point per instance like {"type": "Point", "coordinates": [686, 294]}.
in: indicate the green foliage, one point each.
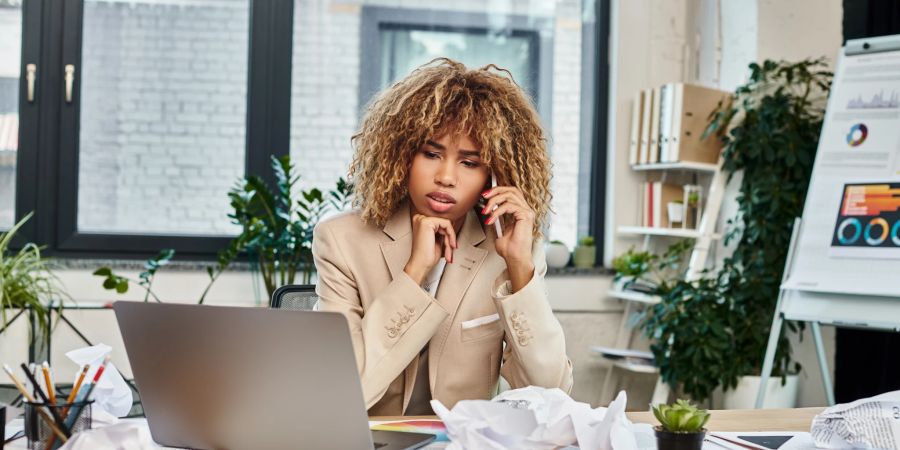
{"type": "Point", "coordinates": [587, 241]}
{"type": "Point", "coordinates": [709, 332]}
{"type": "Point", "coordinates": [651, 269]}
{"type": "Point", "coordinates": [681, 417]}
{"type": "Point", "coordinates": [118, 283]}
{"type": "Point", "coordinates": [276, 232]}
{"type": "Point", "coordinates": [26, 280]}
{"type": "Point", "coordinates": [276, 228]}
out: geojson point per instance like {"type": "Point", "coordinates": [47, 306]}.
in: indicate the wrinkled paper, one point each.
{"type": "Point", "coordinates": [112, 393]}
{"type": "Point", "coordinates": [866, 423]}
{"type": "Point", "coordinates": [121, 436]}
{"type": "Point", "coordinates": [535, 418]}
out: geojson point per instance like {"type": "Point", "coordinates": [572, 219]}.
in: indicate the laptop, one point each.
{"type": "Point", "coordinates": [213, 377]}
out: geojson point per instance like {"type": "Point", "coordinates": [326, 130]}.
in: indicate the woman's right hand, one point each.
{"type": "Point", "coordinates": [433, 237]}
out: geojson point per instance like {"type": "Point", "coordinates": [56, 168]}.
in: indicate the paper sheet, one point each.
{"type": "Point", "coordinates": [866, 423]}
{"type": "Point", "coordinates": [112, 393]}
{"type": "Point", "coordinates": [535, 418]}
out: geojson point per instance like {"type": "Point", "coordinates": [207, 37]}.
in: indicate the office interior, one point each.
{"type": "Point", "coordinates": [124, 124]}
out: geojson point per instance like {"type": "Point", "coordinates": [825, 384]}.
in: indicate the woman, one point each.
{"type": "Point", "coordinates": [431, 286]}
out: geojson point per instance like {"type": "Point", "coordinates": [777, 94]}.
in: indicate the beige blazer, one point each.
{"type": "Point", "coordinates": [360, 269]}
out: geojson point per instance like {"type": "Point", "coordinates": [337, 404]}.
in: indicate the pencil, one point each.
{"type": "Point", "coordinates": [48, 381]}
{"type": "Point", "coordinates": [28, 397]}
{"type": "Point", "coordinates": [77, 386]}
{"type": "Point", "coordinates": [46, 400]}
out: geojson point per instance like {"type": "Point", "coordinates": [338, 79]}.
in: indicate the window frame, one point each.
{"type": "Point", "coordinates": [376, 18]}
{"type": "Point", "coordinates": [56, 199]}
{"type": "Point", "coordinates": [47, 169]}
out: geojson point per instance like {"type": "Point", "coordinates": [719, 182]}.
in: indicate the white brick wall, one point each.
{"type": "Point", "coordinates": [162, 117]}
{"type": "Point", "coordinates": [163, 107]}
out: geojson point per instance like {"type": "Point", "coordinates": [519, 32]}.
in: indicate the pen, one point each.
{"type": "Point", "coordinates": [43, 397]}
{"type": "Point", "coordinates": [48, 381]}
{"type": "Point", "coordinates": [28, 397]}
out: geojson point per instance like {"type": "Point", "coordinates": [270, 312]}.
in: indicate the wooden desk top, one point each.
{"type": "Point", "coordinates": [798, 419]}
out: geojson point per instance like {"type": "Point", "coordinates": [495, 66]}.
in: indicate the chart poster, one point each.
{"type": "Point", "coordinates": [868, 221]}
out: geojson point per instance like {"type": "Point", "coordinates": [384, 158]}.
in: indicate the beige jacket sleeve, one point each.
{"type": "Point", "coordinates": [535, 351]}
{"type": "Point", "coordinates": [394, 328]}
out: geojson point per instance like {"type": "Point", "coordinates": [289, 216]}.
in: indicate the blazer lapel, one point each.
{"type": "Point", "coordinates": [396, 252]}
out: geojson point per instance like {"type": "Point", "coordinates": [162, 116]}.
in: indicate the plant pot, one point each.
{"type": "Point", "coordinates": [777, 396]}
{"type": "Point", "coordinates": [558, 255]}
{"type": "Point", "coordinates": [585, 256]}
{"type": "Point", "coordinates": [668, 440]}
{"type": "Point", "coordinates": [676, 212]}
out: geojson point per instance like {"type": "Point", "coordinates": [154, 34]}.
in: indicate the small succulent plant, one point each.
{"type": "Point", "coordinates": [681, 417]}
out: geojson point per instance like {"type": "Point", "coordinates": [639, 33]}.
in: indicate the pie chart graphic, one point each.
{"type": "Point", "coordinates": [857, 135]}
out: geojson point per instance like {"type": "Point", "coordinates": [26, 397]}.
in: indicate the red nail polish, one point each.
{"type": "Point", "coordinates": [485, 193]}
{"type": "Point", "coordinates": [484, 210]}
{"type": "Point", "coordinates": [489, 221]}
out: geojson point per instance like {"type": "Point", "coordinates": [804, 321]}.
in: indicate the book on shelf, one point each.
{"type": "Point", "coordinates": [670, 122]}
{"type": "Point", "coordinates": [656, 196]}
{"type": "Point", "coordinates": [634, 143]}
{"type": "Point", "coordinates": [653, 150]}
{"type": "Point", "coordinates": [647, 104]}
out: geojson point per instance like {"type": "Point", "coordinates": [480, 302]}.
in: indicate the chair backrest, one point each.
{"type": "Point", "coordinates": [295, 296]}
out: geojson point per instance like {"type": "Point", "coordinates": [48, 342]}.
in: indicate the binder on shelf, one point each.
{"type": "Point", "coordinates": [635, 138]}
{"type": "Point", "coordinates": [691, 107]}
{"type": "Point", "coordinates": [644, 150]}
{"type": "Point", "coordinates": [653, 151]}
{"type": "Point", "coordinates": [666, 109]}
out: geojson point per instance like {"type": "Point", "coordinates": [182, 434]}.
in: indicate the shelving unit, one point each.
{"type": "Point", "coordinates": [703, 237]}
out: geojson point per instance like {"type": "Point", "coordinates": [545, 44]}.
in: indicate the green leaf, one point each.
{"type": "Point", "coordinates": [103, 272]}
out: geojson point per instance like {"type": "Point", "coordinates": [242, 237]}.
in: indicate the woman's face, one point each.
{"type": "Point", "coordinates": [447, 177]}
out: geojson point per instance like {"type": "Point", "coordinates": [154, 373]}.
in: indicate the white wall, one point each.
{"type": "Point", "coordinates": [710, 42]}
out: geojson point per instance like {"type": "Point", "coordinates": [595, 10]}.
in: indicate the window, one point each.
{"type": "Point", "coordinates": [344, 53]}
{"type": "Point", "coordinates": [145, 112]}
{"type": "Point", "coordinates": [162, 115]}
{"type": "Point", "coordinates": [10, 61]}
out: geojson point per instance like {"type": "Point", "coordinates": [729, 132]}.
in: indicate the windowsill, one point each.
{"type": "Point", "coordinates": [244, 266]}
{"type": "Point", "coordinates": [579, 272]}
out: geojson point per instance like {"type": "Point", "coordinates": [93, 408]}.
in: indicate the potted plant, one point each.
{"type": "Point", "coordinates": [711, 332]}
{"type": "Point", "coordinates": [558, 254]}
{"type": "Point", "coordinates": [26, 282]}
{"type": "Point", "coordinates": [680, 426]}
{"type": "Point", "coordinates": [585, 253]}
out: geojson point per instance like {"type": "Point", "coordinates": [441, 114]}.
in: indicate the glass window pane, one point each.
{"type": "Point", "coordinates": [540, 43]}
{"type": "Point", "coordinates": [10, 62]}
{"type": "Point", "coordinates": [163, 107]}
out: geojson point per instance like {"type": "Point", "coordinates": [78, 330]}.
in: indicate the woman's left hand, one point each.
{"type": "Point", "coordinates": [515, 245]}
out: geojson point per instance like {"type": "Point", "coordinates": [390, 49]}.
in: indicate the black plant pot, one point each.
{"type": "Point", "coordinates": [668, 440]}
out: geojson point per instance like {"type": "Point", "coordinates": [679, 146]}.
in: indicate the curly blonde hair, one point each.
{"type": "Point", "coordinates": [443, 96]}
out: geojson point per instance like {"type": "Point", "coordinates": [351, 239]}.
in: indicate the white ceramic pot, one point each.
{"type": "Point", "coordinates": [777, 396]}
{"type": "Point", "coordinates": [676, 212]}
{"type": "Point", "coordinates": [557, 255]}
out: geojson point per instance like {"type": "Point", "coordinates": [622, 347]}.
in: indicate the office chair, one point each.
{"type": "Point", "coordinates": [295, 296]}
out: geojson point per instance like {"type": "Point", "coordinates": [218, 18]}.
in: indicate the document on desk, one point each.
{"type": "Point", "coordinates": [866, 423]}
{"type": "Point", "coordinates": [761, 440]}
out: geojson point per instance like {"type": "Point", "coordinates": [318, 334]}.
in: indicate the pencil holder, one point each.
{"type": "Point", "coordinates": [39, 432]}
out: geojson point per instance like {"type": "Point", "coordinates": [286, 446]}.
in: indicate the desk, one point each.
{"type": "Point", "coordinates": [798, 419]}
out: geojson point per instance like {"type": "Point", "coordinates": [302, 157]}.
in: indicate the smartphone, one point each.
{"type": "Point", "coordinates": [482, 202]}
